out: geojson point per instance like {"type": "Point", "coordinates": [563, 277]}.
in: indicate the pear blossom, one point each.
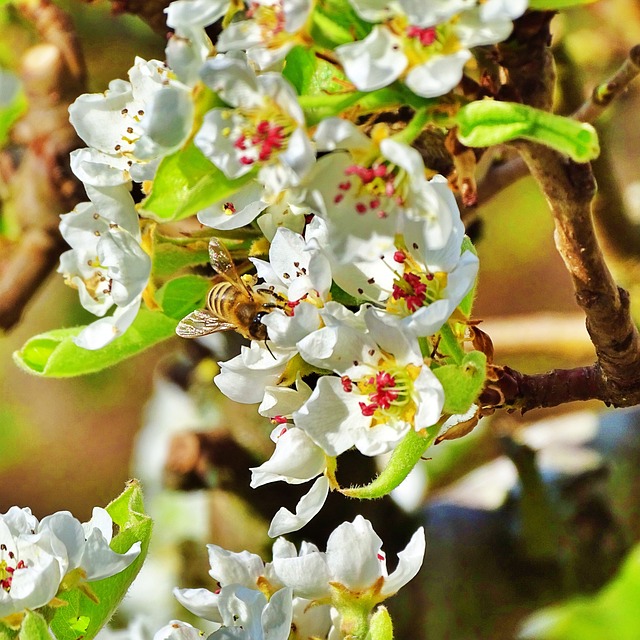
{"type": "Point", "coordinates": [299, 272]}
{"type": "Point", "coordinates": [382, 388]}
{"type": "Point", "coordinates": [426, 46]}
{"type": "Point", "coordinates": [296, 458]}
{"type": "Point", "coordinates": [189, 46]}
{"type": "Point", "coordinates": [227, 568]}
{"type": "Point", "coordinates": [106, 263]}
{"type": "Point", "coordinates": [426, 285]}
{"type": "Point", "coordinates": [132, 125]}
{"type": "Point", "coordinates": [36, 556]}
{"type": "Point", "coordinates": [269, 31]}
{"type": "Point", "coordinates": [353, 563]}
{"type": "Point", "coordinates": [245, 378]}
{"type": "Point", "coordinates": [247, 615]}
{"type": "Point", "coordinates": [263, 128]}
{"type": "Point", "coordinates": [244, 575]}
{"type": "Point", "coordinates": [367, 194]}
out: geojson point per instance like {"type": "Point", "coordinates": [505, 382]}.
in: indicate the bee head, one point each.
{"type": "Point", "coordinates": [257, 330]}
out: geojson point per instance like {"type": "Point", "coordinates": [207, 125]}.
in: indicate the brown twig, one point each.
{"type": "Point", "coordinates": [570, 188]}
{"type": "Point", "coordinates": [501, 175]}
{"type": "Point", "coordinates": [605, 93]}
{"type": "Point", "coordinates": [151, 11]}
{"type": "Point", "coordinates": [514, 390]}
{"type": "Point", "coordinates": [39, 186]}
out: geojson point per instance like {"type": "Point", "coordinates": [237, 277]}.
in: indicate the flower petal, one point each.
{"type": "Point", "coordinates": [309, 505]}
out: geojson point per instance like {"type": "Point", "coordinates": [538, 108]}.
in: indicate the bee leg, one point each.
{"type": "Point", "coordinates": [266, 344]}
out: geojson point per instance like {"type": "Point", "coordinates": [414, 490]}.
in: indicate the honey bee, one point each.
{"type": "Point", "coordinates": [231, 303]}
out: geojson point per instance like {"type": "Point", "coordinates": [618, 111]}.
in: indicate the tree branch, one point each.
{"type": "Point", "coordinates": [40, 186]}
{"type": "Point", "coordinates": [605, 93]}
{"type": "Point", "coordinates": [569, 188]}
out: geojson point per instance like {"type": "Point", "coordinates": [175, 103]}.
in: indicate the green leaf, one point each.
{"type": "Point", "coordinates": [543, 5]}
{"type": "Point", "coordinates": [488, 122]}
{"type": "Point", "coordinates": [404, 457]}
{"type": "Point", "coordinates": [127, 512]}
{"type": "Point", "coordinates": [381, 626]}
{"type": "Point", "coordinates": [462, 383]}
{"type": "Point", "coordinates": [185, 183]}
{"type": "Point", "coordinates": [6, 633]}
{"type": "Point", "coordinates": [612, 613]}
{"type": "Point", "coordinates": [320, 84]}
{"type": "Point", "coordinates": [54, 355]}
{"type": "Point", "coordinates": [299, 66]}
{"type": "Point", "coordinates": [181, 296]}
{"type": "Point", "coordinates": [467, 302]}
{"type": "Point", "coordinates": [34, 627]}
{"type": "Point", "coordinates": [335, 22]}
{"type": "Point", "coordinates": [341, 296]}
{"type": "Point", "coordinates": [170, 258]}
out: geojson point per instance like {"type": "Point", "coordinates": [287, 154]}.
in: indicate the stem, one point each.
{"type": "Point", "coordinates": [450, 344]}
{"type": "Point", "coordinates": [405, 456]}
{"type": "Point", "coordinates": [328, 100]}
{"type": "Point", "coordinates": [414, 128]}
{"type": "Point", "coordinates": [606, 92]}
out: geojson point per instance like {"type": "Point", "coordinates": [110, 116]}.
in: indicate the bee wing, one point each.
{"type": "Point", "coordinates": [222, 262]}
{"type": "Point", "coordinates": [201, 323]}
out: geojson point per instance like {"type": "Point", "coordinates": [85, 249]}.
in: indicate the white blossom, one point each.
{"type": "Point", "coordinates": [190, 46]}
{"type": "Point", "coordinates": [382, 389]}
{"type": "Point", "coordinates": [36, 556]}
{"type": "Point", "coordinates": [425, 45]}
{"type": "Point", "coordinates": [106, 263]}
{"type": "Point", "coordinates": [268, 32]}
{"type": "Point", "coordinates": [132, 125]}
{"type": "Point", "coordinates": [353, 560]}
{"type": "Point", "coordinates": [366, 191]}
{"type": "Point", "coordinates": [177, 630]}
{"type": "Point", "coordinates": [263, 128]}
{"type": "Point", "coordinates": [245, 377]}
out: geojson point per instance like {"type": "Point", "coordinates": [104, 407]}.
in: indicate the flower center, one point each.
{"type": "Point", "coordinates": [426, 35]}
{"type": "Point", "coordinates": [263, 140]}
{"type": "Point", "coordinates": [8, 568]}
{"type": "Point", "coordinates": [388, 392]}
{"type": "Point", "coordinates": [420, 44]}
{"type": "Point", "coordinates": [415, 288]}
{"type": "Point", "coordinates": [260, 134]}
{"type": "Point", "coordinates": [378, 188]}
{"type": "Point", "coordinates": [269, 18]}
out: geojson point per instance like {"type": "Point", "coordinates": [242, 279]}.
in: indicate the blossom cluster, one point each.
{"type": "Point", "coordinates": [364, 291]}
{"type": "Point", "coordinates": [262, 132]}
{"type": "Point", "coordinates": [40, 559]}
{"type": "Point", "coordinates": [310, 593]}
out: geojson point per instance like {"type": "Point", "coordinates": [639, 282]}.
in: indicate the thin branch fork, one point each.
{"type": "Point", "coordinates": [502, 175]}
{"type": "Point", "coordinates": [570, 188]}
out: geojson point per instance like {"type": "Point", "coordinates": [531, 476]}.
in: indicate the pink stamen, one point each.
{"type": "Point", "coordinates": [426, 35]}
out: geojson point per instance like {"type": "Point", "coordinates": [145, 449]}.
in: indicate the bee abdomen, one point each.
{"type": "Point", "coordinates": [221, 298]}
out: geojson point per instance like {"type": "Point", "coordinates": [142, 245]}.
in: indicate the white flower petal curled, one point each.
{"type": "Point", "coordinates": [309, 506]}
